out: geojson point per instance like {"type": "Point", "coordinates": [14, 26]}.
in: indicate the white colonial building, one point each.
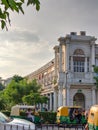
{"type": "Point", "coordinates": [68, 79]}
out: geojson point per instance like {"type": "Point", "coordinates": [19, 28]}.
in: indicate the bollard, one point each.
{"type": "Point", "coordinates": [53, 127]}
{"type": "Point", "coordinates": [58, 127]}
{"type": "Point", "coordinates": [11, 127]}
{"type": "Point", "coordinates": [17, 127]}
{"type": "Point", "coordinates": [23, 127]}
{"type": "Point", "coordinates": [29, 127]}
{"type": "Point", "coordinates": [4, 127]}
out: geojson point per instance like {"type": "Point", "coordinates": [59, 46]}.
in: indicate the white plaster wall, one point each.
{"type": "Point", "coordinates": [85, 47]}
{"type": "Point", "coordinates": [96, 61]}
{"type": "Point", "coordinates": [88, 96]}
{"type": "Point", "coordinates": [96, 96]}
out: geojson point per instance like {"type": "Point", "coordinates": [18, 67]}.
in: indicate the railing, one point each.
{"type": "Point", "coordinates": [45, 127]}
{"type": "Point", "coordinates": [14, 127]}
{"type": "Point", "coordinates": [60, 127]}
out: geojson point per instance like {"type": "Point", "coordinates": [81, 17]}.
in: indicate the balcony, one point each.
{"type": "Point", "coordinates": [83, 77]}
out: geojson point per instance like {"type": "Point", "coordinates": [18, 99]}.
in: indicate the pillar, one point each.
{"type": "Point", "coordinates": [50, 101]}
{"type": "Point", "coordinates": [72, 63]}
{"type": "Point", "coordinates": [67, 56]}
{"type": "Point", "coordinates": [85, 64]}
{"type": "Point", "coordinates": [60, 97]}
{"type": "Point", "coordinates": [67, 96]}
{"type": "Point", "coordinates": [93, 96]}
{"type": "Point", "coordinates": [93, 55]}
{"type": "Point", "coordinates": [60, 58]}
{"type": "Point", "coordinates": [55, 100]}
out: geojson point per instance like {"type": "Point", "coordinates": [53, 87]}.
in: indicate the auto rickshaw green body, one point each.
{"type": "Point", "coordinates": [93, 118]}
{"type": "Point", "coordinates": [19, 111]}
{"type": "Point", "coordinates": [63, 115]}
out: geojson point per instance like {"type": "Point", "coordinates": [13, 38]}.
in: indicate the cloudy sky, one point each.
{"type": "Point", "coordinates": [29, 42]}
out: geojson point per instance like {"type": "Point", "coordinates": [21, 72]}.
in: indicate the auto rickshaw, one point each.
{"type": "Point", "coordinates": [19, 111]}
{"type": "Point", "coordinates": [66, 114]}
{"type": "Point", "coordinates": [93, 118]}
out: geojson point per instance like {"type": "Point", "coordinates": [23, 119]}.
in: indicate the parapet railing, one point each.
{"type": "Point", "coordinates": [45, 127]}
{"type": "Point", "coordinates": [60, 127]}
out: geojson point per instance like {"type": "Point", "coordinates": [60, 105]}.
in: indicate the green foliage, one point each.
{"type": "Point", "coordinates": [2, 102]}
{"type": "Point", "coordinates": [34, 98]}
{"type": "Point", "coordinates": [15, 6]}
{"type": "Point", "coordinates": [23, 113]}
{"type": "Point", "coordinates": [6, 112]}
{"type": "Point", "coordinates": [34, 2]}
{"type": "Point", "coordinates": [48, 117]}
{"type": "Point", "coordinates": [17, 78]}
{"type": "Point", "coordinates": [96, 77]}
{"type": "Point", "coordinates": [1, 86]}
{"type": "Point", "coordinates": [14, 92]}
{"type": "Point", "coordinates": [20, 91]}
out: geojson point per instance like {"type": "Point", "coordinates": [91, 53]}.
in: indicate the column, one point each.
{"type": "Point", "coordinates": [56, 59]}
{"type": "Point", "coordinates": [72, 63]}
{"type": "Point", "coordinates": [60, 58]}
{"type": "Point", "coordinates": [64, 97]}
{"type": "Point", "coordinates": [50, 101]}
{"type": "Point", "coordinates": [93, 55]}
{"type": "Point", "coordinates": [55, 100]}
{"type": "Point", "coordinates": [66, 89]}
{"type": "Point", "coordinates": [93, 96]}
{"type": "Point", "coordinates": [67, 56]}
{"type": "Point", "coordinates": [60, 97]}
{"type": "Point", "coordinates": [68, 97]}
{"type": "Point", "coordinates": [85, 64]}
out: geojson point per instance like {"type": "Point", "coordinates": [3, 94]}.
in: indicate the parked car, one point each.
{"type": "Point", "coordinates": [7, 123]}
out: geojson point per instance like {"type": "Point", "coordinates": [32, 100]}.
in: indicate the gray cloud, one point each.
{"type": "Point", "coordinates": [30, 40]}
{"type": "Point", "coordinates": [19, 35]}
{"type": "Point", "coordinates": [21, 56]}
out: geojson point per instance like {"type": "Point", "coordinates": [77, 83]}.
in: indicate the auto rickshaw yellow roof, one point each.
{"type": "Point", "coordinates": [15, 110]}
{"type": "Point", "coordinates": [68, 107]}
{"type": "Point", "coordinates": [94, 108]}
{"type": "Point", "coordinates": [93, 115]}
{"type": "Point", "coordinates": [63, 110]}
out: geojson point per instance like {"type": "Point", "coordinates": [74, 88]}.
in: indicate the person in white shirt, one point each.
{"type": "Point", "coordinates": [30, 114]}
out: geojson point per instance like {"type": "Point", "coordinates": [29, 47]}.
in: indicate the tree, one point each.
{"type": "Point", "coordinates": [17, 78]}
{"type": "Point", "coordinates": [34, 98]}
{"type": "Point", "coordinates": [14, 92]}
{"type": "Point", "coordinates": [15, 6]}
{"type": "Point", "coordinates": [1, 86]}
{"type": "Point", "coordinates": [3, 102]}
{"type": "Point", "coordinates": [96, 77]}
{"type": "Point", "coordinates": [19, 91]}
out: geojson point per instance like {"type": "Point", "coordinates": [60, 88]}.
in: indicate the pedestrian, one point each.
{"type": "Point", "coordinates": [30, 114]}
{"type": "Point", "coordinates": [86, 127]}
{"type": "Point", "coordinates": [87, 114]}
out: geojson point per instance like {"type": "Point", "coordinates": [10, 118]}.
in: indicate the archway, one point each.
{"type": "Point", "coordinates": [79, 100]}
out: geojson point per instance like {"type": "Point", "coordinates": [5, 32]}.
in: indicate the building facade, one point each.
{"type": "Point", "coordinates": [68, 79]}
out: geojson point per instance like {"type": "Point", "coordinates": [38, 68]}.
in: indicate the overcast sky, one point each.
{"type": "Point", "coordinates": [28, 44]}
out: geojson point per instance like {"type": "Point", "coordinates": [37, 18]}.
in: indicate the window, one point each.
{"type": "Point", "coordinates": [78, 61]}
